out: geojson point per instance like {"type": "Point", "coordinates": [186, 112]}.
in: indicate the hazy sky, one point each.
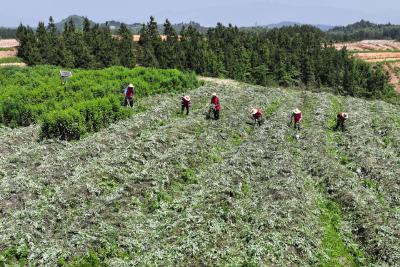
{"type": "Point", "coordinates": [207, 12]}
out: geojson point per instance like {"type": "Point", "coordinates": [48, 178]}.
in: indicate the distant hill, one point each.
{"type": "Point", "coordinates": [78, 21]}
{"type": "Point", "coordinates": [363, 30]}
{"type": "Point", "coordinates": [134, 27]}
{"type": "Point", "coordinates": [322, 27]}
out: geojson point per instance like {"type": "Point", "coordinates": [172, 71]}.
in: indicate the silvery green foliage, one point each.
{"type": "Point", "coordinates": [161, 188]}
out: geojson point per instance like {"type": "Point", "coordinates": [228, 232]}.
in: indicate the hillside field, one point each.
{"type": "Point", "coordinates": [160, 188]}
{"type": "Point", "coordinates": [8, 53]}
{"type": "Point", "coordinates": [89, 101]}
{"type": "Point", "coordinates": [385, 52]}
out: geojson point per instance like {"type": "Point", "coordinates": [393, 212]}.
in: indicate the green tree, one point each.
{"type": "Point", "coordinates": [169, 54]}
{"type": "Point", "coordinates": [126, 47]}
{"type": "Point", "coordinates": [150, 42]}
{"type": "Point", "coordinates": [43, 41]}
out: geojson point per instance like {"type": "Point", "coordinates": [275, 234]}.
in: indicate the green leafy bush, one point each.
{"type": "Point", "coordinates": [35, 94]}
{"type": "Point", "coordinates": [100, 113]}
{"type": "Point", "coordinates": [64, 124]}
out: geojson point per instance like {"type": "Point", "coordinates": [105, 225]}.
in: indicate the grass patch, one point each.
{"type": "Point", "coordinates": [189, 176]}
{"type": "Point", "coordinates": [6, 49]}
{"type": "Point", "coordinates": [10, 60]}
{"type": "Point", "coordinates": [14, 256]}
{"type": "Point", "coordinates": [335, 250]}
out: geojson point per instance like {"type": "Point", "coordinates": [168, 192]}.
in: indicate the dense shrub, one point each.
{"type": "Point", "coordinates": [84, 117]}
{"type": "Point", "coordinates": [35, 94]}
{"type": "Point", "coordinates": [100, 113]}
{"type": "Point", "coordinates": [65, 124]}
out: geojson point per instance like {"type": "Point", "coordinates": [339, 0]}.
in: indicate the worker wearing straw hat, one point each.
{"type": "Point", "coordinates": [186, 104]}
{"type": "Point", "coordinates": [340, 119]}
{"type": "Point", "coordinates": [257, 115]}
{"type": "Point", "coordinates": [129, 93]}
{"type": "Point", "coordinates": [296, 118]}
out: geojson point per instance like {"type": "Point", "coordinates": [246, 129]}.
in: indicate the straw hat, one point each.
{"type": "Point", "coordinates": [214, 94]}
{"type": "Point", "coordinates": [130, 85]}
{"type": "Point", "coordinates": [296, 111]}
{"type": "Point", "coordinates": [254, 111]}
{"type": "Point", "coordinates": [186, 97]}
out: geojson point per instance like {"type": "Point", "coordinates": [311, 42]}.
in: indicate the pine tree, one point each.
{"type": "Point", "coordinates": [150, 43]}
{"type": "Point", "coordinates": [126, 47]}
{"type": "Point", "coordinates": [21, 35]}
{"type": "Point", "coordinates": [32, 53]}
{"type": "Point", "coordinates": [169, 54]}
{"type": "Point", "coordinates": [43, 41]}
{"type": "Point", "coordinates": [54, 43]}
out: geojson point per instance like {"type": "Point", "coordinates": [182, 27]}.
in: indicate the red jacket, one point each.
{"type": "Point", "coordinates": [258, 114]}
{"type": "Point", "coordinates": [185, 102]}
{"type": "Point", "coordinates": [341, 116]}
{"type": "Point", "coordinates": [297, 117]}
{"type": "Point", "coordinates": [215, 101]}
{"type": "Point", "coordinates": [129, 92]}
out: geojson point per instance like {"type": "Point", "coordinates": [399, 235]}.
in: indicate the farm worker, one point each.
{"type": "Point", "coordinates": [340, 119]}
{"type": "Point", "coordinates": [215, 106]}
{"type": "Point", "coordinates": [129, 93]}
{"type": "Point", "coordinates": [296, 117]}
{"type": "Point", "coordinates": [257, 115]}
{"type": "Point", "coordinates": [186, 104]}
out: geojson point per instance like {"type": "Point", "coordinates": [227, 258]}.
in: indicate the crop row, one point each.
{"type": "Point", "coordinates": [89, 101]}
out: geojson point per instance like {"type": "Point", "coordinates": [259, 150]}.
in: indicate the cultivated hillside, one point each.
{"type": "Point", "coordinates": [164, 189]}
{"type": "Point", "coordinates": [364, 30]}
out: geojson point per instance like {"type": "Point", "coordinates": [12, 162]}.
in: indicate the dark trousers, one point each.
{"type": "Point", "coordinates": [257, 121]}
{"type": "Point", "coordinates": [128, 101]}
{"type": "Point", "coordinates": [297, 125]}
{"type": "Point", "coordinates": [339, 124]}
{"type": "Point", "coordinates": [183, 109]}
{"type": "Point", "coordinates": [216, 114]}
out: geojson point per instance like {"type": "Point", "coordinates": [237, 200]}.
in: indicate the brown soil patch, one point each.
{"type": "Point", "coordinates": [6, 43]}
{"type": "Point", "coordinates": [370, 45]}
{"type": "Point", "coordinates": [378, 56]}
{"type": "Point", "coordinates": [393, 69]}
{"type": "Point", "coordinates": [382, 51]}
{"type": "Point", "coordinates": [11, 53]}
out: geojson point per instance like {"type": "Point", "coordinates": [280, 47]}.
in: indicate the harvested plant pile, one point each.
{"type": "Point", "coordinates": [164, 189]}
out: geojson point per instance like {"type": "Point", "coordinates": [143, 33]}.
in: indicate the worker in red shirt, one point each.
{"type": "Point", "coordinates": [215, 106]}
{"type": "Point", "coordinates": [340, 119]}
{"type": "Point", "coordinates": [296, 118]}
{"type": "Point", "coordinates": [257, 115]}
{"type": "Point", "coordinates": [186, 104]}
{"type": "Point", "coordinates": [129, 93]}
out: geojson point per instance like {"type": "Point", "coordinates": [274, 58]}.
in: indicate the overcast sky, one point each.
{"type": "Point", "coordinates": [206, 12]}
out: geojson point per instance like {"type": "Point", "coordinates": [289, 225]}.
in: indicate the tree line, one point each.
{"type": "Point", "coordinates": [290, 56]}
{"type": "Point", "coordinates": [364, 30]}
{"type": "Point", "coordinates": [7, 33]}
{"type": "Point", "coordinates": [93, 47]}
